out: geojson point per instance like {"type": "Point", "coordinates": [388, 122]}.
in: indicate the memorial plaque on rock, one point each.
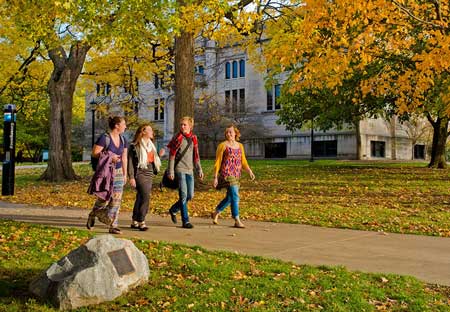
{"type": "Point", "coordinates": [121, 261]}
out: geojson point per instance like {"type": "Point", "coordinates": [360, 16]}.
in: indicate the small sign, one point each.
{"type": "Point", "coordinates": [7, 117]}
{"type": "Point", "coordinates": [121, 262]}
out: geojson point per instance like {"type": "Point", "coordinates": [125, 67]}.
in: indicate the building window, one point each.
{"type": "Point", "coordinates": [269, 100]}
{"type": "Point", "coordinates": [156, 81]}
{"type": "Point", "coordinates": [377, 148]}
{"type": "Point", "coordinates": [159, 109]}
{"type": "Point", "coordinates": [242, 100]}
{"type": "Point", "coordinates": [227, 70]}
{"type": "Point", "coordinates": [273, 102]}
{"type": "Point", "coordinates": [325, 148]}
{"type": "Point", "coordinates": [235, 69]}
{"type": "Point", "coordinates": [227, 101]}
{"type": "Point", "coordinates": [419, 151]}
{"type": "Point", "coordinates": [234, 101]}
{"type": "Point", "coordinates": [241, 68]}
{"type": "Point", "coordinates": [277, 89]}
{"type": "Point", "coordinates": [103, 89]}
{"type": "Point", "coordinates": [275, 150]}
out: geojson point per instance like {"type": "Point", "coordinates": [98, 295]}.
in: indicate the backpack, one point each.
{"type": "Point", "coordinates": [94, 160]}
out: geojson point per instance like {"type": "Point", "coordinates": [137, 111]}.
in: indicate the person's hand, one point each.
{"type": "Point", "coordinates": [252, 175]}
{"type": "Point", "coordinates": [171, 176]}
{"type": "Point", "coordinates": [201, 176]}
{"type": "Point", "coordinates": [124, 180]}
{"type": "Point", "coordinates": [162, 152]}
{"type": "Point", "coordinates": [133, 182]}
{"type": "Point", "coordinates": [215, 182]}
{"type": "Point", "coordinates": [115, 159]}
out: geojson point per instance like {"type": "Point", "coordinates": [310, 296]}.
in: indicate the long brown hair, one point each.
{"type": "Point", "coordinates": [139, 133]}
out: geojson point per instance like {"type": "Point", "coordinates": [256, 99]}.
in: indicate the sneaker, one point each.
{"type": "Point", "coordinates": [143, 227]}
{"type": "Point", "coordinates": [187, 226]}
{"type": "Point", "coordinates": [173, 217]}
{"type": "Point", "coordinates": [115, 230]}
{"type": "Point", "coordinates": [134, 225]}
{"type": "Point", "coordinates": [91, 221]}
{"type": "Point", "coordinates": [238, 224]}
{"type": "Point", "coordinates": [215, 217]}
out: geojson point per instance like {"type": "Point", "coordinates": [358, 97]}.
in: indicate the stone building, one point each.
{"type": "Point", "coordinates": [226, 78]}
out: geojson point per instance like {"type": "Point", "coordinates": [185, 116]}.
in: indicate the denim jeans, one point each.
{"type": "Point", "coordinates": [185, 194]}
{"type": "Point", "coordinates": [231, 199]}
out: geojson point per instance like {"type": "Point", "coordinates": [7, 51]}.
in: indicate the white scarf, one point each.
{"type": "Point", "coordinates": [142, 150]}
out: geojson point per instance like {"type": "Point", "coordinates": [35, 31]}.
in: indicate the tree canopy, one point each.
{"type": "Point", "coordinates": [405, 44]}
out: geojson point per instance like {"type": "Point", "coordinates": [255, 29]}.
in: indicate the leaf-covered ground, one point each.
{"type": "Point", "coordinates": [377, 196]}
{"type": "Point", "coordinates": [193, 279]}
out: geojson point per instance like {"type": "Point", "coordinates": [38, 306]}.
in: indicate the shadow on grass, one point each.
{"type": "Point", "coordinates": [14, 285]}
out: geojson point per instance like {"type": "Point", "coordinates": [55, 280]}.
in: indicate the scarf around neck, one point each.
{"type": "Point", "coordinates": [142, 150]}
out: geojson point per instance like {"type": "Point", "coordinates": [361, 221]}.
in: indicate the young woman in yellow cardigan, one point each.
{"type": "Point", "coordinates": [230, 160]}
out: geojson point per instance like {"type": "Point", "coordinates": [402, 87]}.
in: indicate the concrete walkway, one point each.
{"type": "Point", "coordinates": [425, 257]}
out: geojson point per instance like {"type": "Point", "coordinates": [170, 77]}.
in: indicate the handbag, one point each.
{"type": "Point", "coordinates": [222, 183]}
{"type": "Point", "coordinates": [166, 181]}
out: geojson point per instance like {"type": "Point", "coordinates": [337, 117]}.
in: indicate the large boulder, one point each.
{"type": "Point", "coordinates": [101, 270]}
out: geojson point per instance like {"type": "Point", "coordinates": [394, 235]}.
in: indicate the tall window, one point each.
{"type": "Point", "coordinates": [234, 100]}
{"type": "Point", "coordinates": [235, 69]}
{"type": "Point", "coordinates": [269, 100]}
{"type": "Point", "coordinates": [159, 109]}
{"type": "Point", "coordinates": [241, 68]}
{"type": "Point", "coordinates": [227, 101]}
{"type": "Point", "coordinates": [273, 98]}
{"type": "Point", "coordinates": [156, 80]}
{"type": "Point", "coordinates": [242, 100]}
{"type": "Point", "coordinates": [277, 89]}
{"type": "Point", "coordinates": [227, 70]}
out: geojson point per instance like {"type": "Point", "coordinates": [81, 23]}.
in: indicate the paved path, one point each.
{"type": "Point", "coordinates": [427, 258]}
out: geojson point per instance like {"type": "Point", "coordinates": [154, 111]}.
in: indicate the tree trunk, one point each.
{"type": "Point", "coordinates": [184, 77]}
{"type": "Point", "coordinates": [358, 139]}
{"type": "Point", "coordinates": [61, 87]}
{"type": "Point", "coordinates": [440, 134]}
{"type": "Point", "coordinates": [393, 138]}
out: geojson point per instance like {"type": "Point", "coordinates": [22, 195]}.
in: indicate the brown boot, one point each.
{"type": "Point", "coordinates": [215, 217]}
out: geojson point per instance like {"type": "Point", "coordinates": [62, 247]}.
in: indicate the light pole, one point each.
{"type": "Point", "coordinates": [311, 159]}
{"type": "Point", "coordinates": [93, 105]}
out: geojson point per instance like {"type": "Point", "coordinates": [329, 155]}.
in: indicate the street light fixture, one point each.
{"type": "Point", "coordinates": [93, 105]}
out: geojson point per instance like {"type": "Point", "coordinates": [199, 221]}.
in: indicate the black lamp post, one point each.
{"type": "Point", "coordinates": [93, 105]}
{"type": "Point", "coordinates": [311, 159]}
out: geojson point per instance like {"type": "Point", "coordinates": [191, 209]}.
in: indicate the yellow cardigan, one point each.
{"type": "Point", "coordinates": [219, 157]}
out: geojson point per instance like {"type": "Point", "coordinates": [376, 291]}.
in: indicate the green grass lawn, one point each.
{"type": "Point", "coordinates": [193, 279]}
{"type": "Point", "coordinates": [376, 196]}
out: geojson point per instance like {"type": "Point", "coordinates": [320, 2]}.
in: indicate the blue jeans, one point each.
{"type": "Point", "coordinates": [185, 194]}
{"type": "Point", "coordinates": [231, 199]}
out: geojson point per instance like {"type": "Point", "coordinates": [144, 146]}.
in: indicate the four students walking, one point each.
{"type": "Point", "coordinates": [142, 162]}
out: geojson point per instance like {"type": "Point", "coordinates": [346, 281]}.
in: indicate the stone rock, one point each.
{"type": "Point", "coordinates": [101, 270]}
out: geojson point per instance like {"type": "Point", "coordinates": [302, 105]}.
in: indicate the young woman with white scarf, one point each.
{"type": "Point", "coordinates": [144, 163]}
